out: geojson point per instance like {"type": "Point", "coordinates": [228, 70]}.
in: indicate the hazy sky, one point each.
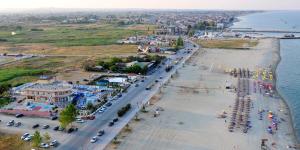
{"type": "Point", "coordinates": [172, 4]}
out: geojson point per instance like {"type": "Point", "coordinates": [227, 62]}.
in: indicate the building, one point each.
{"type": "Point", "coordinates": [55, 92]}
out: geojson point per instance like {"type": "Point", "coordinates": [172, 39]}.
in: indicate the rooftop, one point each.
{"type": "Point", "coordinates": [50, 86]}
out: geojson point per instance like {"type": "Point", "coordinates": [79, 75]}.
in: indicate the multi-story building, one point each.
{"type": "Point", "coordinates": [57, 93]}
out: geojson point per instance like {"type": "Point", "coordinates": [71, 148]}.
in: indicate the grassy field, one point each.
{"type": "Point", "coordinates": [12, 73]}
{"type": "Point", "coordinates": [68, 46]}
{"type": "Point", "coordinates": [29, 70]}
{"type": "Point", "coordinates": [13, 142]}
{"type": "Point", "coordinates": [43, 49]}
{"type": "Point", "coordinates": [228, 44]}
{"type": "Point", "coordinates": [72, 35]}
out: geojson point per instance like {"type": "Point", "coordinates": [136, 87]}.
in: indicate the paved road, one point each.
{"type": "Point", "coordinates": [135, 95]}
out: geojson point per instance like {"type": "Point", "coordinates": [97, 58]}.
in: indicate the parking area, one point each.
{"type": "Point", "coordinates": [27, 123]}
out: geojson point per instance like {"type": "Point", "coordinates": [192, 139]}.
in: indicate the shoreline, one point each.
{"type": "Point", "coordinates": [274, 70]}
{"type": "Point", "coordinates": [204, 99]}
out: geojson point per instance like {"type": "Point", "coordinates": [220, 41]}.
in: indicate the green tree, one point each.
{"type": "Point", "coordinates": [68, 115]}
{"type": "Point", "coordinates": [90, 106]}
{"type": "Point", "coordinates": [179, 43]}
{"type": "Point", "coordinates": [47, 137]}
{"type": "Point", "coordinates": [36, 139]}
{"type": "Point", "coordinates": [134, 69]}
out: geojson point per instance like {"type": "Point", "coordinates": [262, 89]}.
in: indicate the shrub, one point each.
{"type": "Point", "coordinates": [124, 110]}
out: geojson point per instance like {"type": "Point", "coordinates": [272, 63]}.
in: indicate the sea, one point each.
{"type": "Point", "coordinates": [288, 70]}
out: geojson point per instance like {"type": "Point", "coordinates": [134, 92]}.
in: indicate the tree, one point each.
{"type": "Point", "coordinates": [134, 69]}
{"type": "Point", "coordinates": [179, 43]}
{"type": "Point", "coordinates": [47, 137]}
{"type": "Point", "coordinates": [36, 139]}
{"type": "Point", "coordinates": [68, 115]}
{"type": "Point", "coordinates": [90, 106]}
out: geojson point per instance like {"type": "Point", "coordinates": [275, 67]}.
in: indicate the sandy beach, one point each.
{"type": "Point", "coordinates": [190, 103]}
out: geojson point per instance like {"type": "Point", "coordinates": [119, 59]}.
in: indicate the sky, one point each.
{"type": "Point", "coordinates": [155, 4]}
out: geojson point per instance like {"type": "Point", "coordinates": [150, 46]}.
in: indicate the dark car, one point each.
{"type": "Point", "coordinates": [53, 118]}
{"type": "Point", "coordinates": [35, 126]}
{"type": "Point", "coordinates": [142, 80]}
{"type": "Point", "coordinates": [70, 130]}
{"type": "Point", "coordinates": [111, 124]}
{"type": "Point", "coordinates": [19, 115]}
{"type": "Point", "coordinates": [116, 120]}
{"type": "Point", "coordinates": [100, 133]}
{"type": "Point", "coordinates": [56, 128]}
{"type": "Point", "coordinates": [108, 104]}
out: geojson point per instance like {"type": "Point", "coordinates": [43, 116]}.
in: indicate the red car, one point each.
{"type": "Point", "coordinates": [91, 117]}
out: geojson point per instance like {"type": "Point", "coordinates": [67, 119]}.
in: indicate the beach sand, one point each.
{"type": "Point", "coordinates": [192, 100]}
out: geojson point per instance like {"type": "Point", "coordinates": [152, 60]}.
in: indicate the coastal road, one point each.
{"type": "Point", "coordinates": [80, 140]}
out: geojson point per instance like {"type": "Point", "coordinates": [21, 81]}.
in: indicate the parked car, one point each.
{"type": "Point", "coordinates": [10, 123]}
{"type": "Point", "coordinates": [111, 124]}
{"type": "Point", "coordinates": [24, 136]}
{"type": "Point", "coordinates": [28, 138]}
{"type": "Point", "coordinates": [53, 117]}
{"type": "Point", "coordinates": [18, 124]}
{"type": "Point", "coordinates": [142, 80]}
{"type": "Point", "coordinates": [56, 128]}
{"type": "Point", "coordinates": [44, 145]}
{"type": "Point", "coordinates": [116, 120]}
{"type": "Point", "coordinates": [100, 133]}
{"type": "Point", "coordinates": [70, 130]}
{"type": "Point", "coordinates": [79, 120]}
{"type": "Point", "coordinates": [19, 115]}
{"type": "Point", "coordinates": [54, 143]}
{"type": "Point", "coordinates": [108, 104]}
{"type": "Point", "coordinates": [136, 85]}
{"type": "Point", "coordinates": [46, 126]}
{"type": "Point", "coordinates": [94, 139]}
{"type": "Point", "coordinates": [35, 126]}
{"type": "Point", "coordinates": [61, 129]}
{"type": "Point", "coordinates": [89, 117]}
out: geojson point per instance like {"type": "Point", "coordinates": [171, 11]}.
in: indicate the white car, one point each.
{"type": "Point", "coordinates": [100, 111]}
{"type": "Point", "coordinates": [28, 138]}
{"type": "Point", "coordinates": [54, 143]}
{"type": "Point", "coordinates": [24, 136]}
{"type": "Point", "coordinates": [94, 139]}
{"type": "Point", "coordinates": [79, 121]}
{"type": "Point", "coordinates": [44, 145]}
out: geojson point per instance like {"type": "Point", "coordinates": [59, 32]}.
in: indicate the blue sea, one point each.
{"type": "Point", "coordinates": [288, 70]}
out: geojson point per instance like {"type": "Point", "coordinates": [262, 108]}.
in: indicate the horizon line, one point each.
{"type": "Point", "coordinates": [37, 8]}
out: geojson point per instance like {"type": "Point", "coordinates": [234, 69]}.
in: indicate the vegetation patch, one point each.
{"type": "Point", "coordinates": [75, 35]}
{"type": "Point", "coordinates": [117, 64]}
{"type": "Point", "coordinates": [4, 101]}
{"type": "Point", "coordinates": [11, 73]}
{"type": "Point", "coordinates": [124, 110]}
{"type": "Point", "coordinates": [228, 44]}
{"type": "Point", "coordinates": [13, 142]}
